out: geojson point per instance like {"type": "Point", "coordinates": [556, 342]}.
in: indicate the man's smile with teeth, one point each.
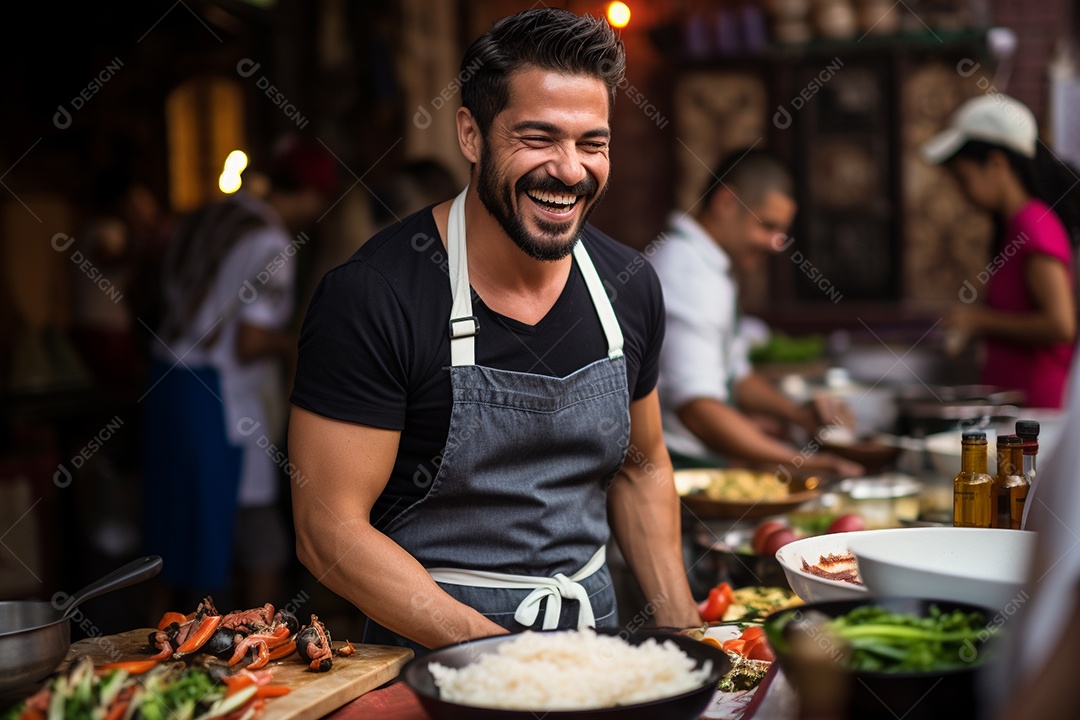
{"type": "Point", "coordinates": [556, 200]}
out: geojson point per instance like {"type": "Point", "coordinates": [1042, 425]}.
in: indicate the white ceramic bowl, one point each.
{"type": "Point", "coordinates": [985, 567]}
{"type": "Point", "coordinates": [811, 588]}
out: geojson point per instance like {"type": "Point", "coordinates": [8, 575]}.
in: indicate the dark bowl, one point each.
{"type": "Point", "coordinates": [948, 694]}
{"type": "Point", "coordinates": [688, 705]}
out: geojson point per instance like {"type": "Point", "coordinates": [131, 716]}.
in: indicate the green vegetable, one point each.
{"type": "Point", "coordinates": [173, 695]}
{"type": "Point", "coordinates": [781, 347]}
{"type": "Point", "coordinates": [744, 674]}
{"type": "Point", "coordinates": [873, 638]}
{"type": "Point", "coordinates": [170, 691]}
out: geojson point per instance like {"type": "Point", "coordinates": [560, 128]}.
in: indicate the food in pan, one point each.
{"type": "Point", "coordinates": [731, 484]}
{"type": "Point", "coordinates": [570, 670]}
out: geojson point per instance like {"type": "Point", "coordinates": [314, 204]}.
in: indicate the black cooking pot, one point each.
{"type": "Point", "coordinates": [35, 635]}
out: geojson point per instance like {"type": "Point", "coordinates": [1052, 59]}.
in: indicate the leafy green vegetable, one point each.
{"type": "Point", "coordinates": [875, 639]}
{"type": "Point", "coordinates": [781, 347]}
{"type": "Point", "coordinates": [170, 691]}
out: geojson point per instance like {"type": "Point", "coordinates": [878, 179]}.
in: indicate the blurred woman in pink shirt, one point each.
{"type": "Point", "coordinates": [1027, 317]}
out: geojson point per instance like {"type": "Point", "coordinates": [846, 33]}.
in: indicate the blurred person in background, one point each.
{"type": "Point", "coordinates": [215, 404]}
{"type": "Point", "coordinates": [708, 389]}
{"type": "Point", "coordinates": [1027, 314]}
{"type": "Point", "coordinates": [418, 184]}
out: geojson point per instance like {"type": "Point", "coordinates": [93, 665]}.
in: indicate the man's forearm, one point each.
{"type": "Point", "coordinates": [644, 515]}
{"type": "Point", "coordinates": [755, 394]}
{"type": "Point", "coordinates": [373, 572]}
{"type": "Point", "coordinates": [728, 432]}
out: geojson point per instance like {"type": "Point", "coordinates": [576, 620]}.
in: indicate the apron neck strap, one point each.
{"type": "Point", "coordinates": [600, 300]}
{"type": "Point", "coordinates": [463, 323]}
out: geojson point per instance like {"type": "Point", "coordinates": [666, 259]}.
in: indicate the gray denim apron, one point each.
{"type": "Point", "coordinates": [515, 522]}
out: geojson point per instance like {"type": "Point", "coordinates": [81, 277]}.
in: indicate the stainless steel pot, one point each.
{"type": "Point", "coordinates": [35, 635]}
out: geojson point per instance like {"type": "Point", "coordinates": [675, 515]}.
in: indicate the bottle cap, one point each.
{"type": "Point", "coordinates": [1027, 427]}
{"type": "Point", "coordinates": [973, 436]}
{"type": "Point", "coordinates": [1010, 440]}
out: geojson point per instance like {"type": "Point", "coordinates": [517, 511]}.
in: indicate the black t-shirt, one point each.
{"type": "Point", "coordinates": [375, 348]}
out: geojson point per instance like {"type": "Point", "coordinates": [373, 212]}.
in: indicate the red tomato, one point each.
{"type": "Point", "coordinates": [753, 632]}
{"type": "Point", "coordinates": [760, 651]}
{"type": "Point", "coordinates": [847, 523]}
{"type": "Point", "coordinates": [713, 609]}
{"type": "Point", "coordinates": [777, 540]}
{"type": "Point", "coordinates": [763, 531]}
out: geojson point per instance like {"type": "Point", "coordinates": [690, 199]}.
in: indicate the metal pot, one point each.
{"type": "Point", "coordinates": [35, 635]}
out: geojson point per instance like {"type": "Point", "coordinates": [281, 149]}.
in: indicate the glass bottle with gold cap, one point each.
{"type": "Point", "coordinates": [973, 487]}
{"type": "Point", "coordinates": [1010, 483]}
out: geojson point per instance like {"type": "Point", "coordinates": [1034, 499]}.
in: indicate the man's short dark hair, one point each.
{"type": "Point", "coordinates": [545, 38]}
{"type": "Point", "coordinates": [751, 175]}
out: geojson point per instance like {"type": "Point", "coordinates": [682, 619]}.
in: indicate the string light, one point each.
{"type": "Point", "coordinates": [229, 181]}
{"type": "Point", "coordinates": [618, 14]}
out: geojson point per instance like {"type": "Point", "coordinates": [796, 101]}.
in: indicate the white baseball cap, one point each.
{"type": "Point", "coordinates": [992, 118]}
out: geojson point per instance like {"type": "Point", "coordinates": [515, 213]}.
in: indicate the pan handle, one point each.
{"type": "Point", "coordinates": [135, 571]}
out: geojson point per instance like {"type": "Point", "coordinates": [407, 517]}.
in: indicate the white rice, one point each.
{"type": "Point", "coordinates": [570, 670]}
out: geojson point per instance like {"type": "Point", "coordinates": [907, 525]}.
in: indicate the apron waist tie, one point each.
{"type": "Point", "coordinates": [554, 588]}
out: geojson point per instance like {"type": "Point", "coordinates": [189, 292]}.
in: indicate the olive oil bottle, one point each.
{"type": "Point", "coordinates": [1010, 483]}
{"type": "Point", "coordinates": [973, 488]}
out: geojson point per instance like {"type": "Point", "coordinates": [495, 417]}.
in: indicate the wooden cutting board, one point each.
{"type": "Point", "coordinates": [313, 694]}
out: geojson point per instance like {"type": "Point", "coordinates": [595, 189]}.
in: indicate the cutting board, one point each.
{"type": "Point", "coordinates": [313, 694]}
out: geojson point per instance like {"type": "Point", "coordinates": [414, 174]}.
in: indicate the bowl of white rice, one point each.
{"type": "Point", "coordinates": [569, 674]}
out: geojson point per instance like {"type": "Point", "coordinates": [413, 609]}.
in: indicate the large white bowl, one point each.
{"type": "Point", "coordinates": [979, 566]}
{"type": "Point", "coordinates": [811, 588]}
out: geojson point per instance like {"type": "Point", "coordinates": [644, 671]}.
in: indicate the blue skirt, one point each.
{"type": "Point", "coordinates": [191, 477]}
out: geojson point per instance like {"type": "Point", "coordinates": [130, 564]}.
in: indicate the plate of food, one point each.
{"type": "Point", "coordinates": [738, 493]}
{"type": "Point", "coordinates": [561, 674]}
{"type": "Point", "coordinates": [752, 660]}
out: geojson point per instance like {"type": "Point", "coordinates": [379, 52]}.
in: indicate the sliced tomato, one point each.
{"type": "Point", "coordinates": [272, 691]}
{"type": "Point", "coordinates": [761, 651]}
{"type": "Point", "coordinates": [238, 682]}
{"type": "Point", "coordinates": [754, 631]}
{"type": "Point", "coordinates": [132, 667]}
{"type": "Point", "coordinates": [735, 646]}
{"type": "Point", "coordinates": [713, 609]}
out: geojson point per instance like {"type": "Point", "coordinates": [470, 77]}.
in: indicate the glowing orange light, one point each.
{"type": "Point", "coordinates": [618, 14]}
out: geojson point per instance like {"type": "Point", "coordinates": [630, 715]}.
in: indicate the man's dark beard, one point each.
{"type": "Point", "coordinates": [496, 194]}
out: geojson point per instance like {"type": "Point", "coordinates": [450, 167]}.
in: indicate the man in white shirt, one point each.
{"type": "Point", "coordinates": [707, 386]}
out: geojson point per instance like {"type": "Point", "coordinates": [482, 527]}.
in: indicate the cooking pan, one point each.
{"type": "Point", "coordinates": [35, 635]}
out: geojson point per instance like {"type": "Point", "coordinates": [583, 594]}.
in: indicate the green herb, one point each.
{"type": "Point", "coordinates": [876, 639]}
{"type": "Point", "coordinates": [744, 674]}
{"type": "Point", "coordinates": [781, 347]}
